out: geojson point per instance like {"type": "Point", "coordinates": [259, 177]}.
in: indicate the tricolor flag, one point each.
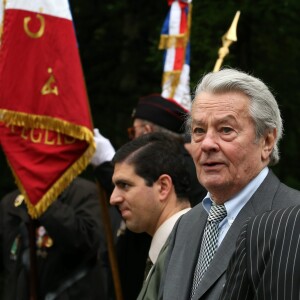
{"type": "Point", "coordinates": [45, 123]}
{"type": "Point", "coordinates": [175, 39]}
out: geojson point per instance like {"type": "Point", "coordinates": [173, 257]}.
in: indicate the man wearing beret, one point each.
{"type": "Point", "coordinates": [155, 113]}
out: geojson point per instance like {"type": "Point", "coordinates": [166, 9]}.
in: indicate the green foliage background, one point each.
{"type": "Point", "coordinates": [118, 44]}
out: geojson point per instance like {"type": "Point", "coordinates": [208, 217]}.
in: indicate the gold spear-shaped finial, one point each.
{"type": "Point", "coordinates": [228, 38]}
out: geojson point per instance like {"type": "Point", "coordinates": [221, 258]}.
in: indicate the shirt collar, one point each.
{"type": "Point", "coordinates": [236, 203]}
{"type": "Point", "coordinates": [162, 233]}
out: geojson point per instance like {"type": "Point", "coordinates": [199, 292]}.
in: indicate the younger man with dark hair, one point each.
{"type": "Point", "coordinates": [151, 191]}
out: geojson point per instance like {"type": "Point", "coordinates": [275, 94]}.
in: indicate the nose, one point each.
{"type": "Point", "coordinates": [115, 197]}
{"type": "Point", "coordinates": [210, 142]}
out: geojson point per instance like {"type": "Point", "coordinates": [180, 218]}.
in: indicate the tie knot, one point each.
{"type": "Point", "coordinates": [217, 213]}
{"type": "Point", "coordinates": [148, 267]}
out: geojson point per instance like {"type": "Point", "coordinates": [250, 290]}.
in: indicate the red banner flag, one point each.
{"type": "Point", "coordinates": [46, 128]}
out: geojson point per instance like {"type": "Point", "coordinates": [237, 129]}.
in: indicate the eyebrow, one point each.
{"type": "Point", "coordinates": [227, 119]}
{"type": "Point", "coordinates": [121, 181]}
{"type": "Point", "coordinates": [224, 119]}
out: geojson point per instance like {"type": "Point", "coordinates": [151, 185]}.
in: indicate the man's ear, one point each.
{"type": "Point", "coordinates": [165, 185]}
{"type": "Point", "coordinates": [268, 144]}
{"type": "Point", "coordinates": [148, 128]}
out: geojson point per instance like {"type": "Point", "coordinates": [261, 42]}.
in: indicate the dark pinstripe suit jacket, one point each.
{"type": "Point", "coordinates": [266, 263]}
{"type": "Point", "coordinates": [186, 238]}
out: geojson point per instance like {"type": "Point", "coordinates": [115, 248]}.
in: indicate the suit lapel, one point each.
{"type": "Point", "coordinates": [186, 258]}
{"type": "Point", "coordinates": [143, 291]}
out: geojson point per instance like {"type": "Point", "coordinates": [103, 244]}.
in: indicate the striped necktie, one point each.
{"type": "Point", "coordinates": [209, 243]}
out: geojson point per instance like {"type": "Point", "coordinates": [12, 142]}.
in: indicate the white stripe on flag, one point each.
{"type": "Point", "coordinates": [58, 8]}
{"type": "Point", "coordinates": [170, 58]}
{"type": "Point", "coordinates": [174, 28]}
{"type": "Point", "coordinates": [182, 92]}
{"type": "Point", "coordinates": [175, 18]}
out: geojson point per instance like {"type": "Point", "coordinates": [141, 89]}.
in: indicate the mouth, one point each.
{"type": "Point", "coordinates": [211, 166]}
{"type": "Point", "coordinates": [124, 212]}
{"type": "Point", "coordinates": [211, 163]}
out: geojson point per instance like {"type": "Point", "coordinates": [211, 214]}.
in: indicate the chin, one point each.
{"type": "Point", "coordinates": [216, 187]}
{"type": "Point", "coordinates": [133, 228]}
{"type": "Point", "coordinates": [212, 181]}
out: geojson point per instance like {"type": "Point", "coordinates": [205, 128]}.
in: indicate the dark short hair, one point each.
{"type": "Point", "coordinates": [154, 154]}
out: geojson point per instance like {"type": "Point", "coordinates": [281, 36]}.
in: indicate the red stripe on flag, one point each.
{"type": "Point", "coordinates": [180, 51]}
{"type": "Point", "coordinates": [178, 61]}
{"type": "Point", "coordinates": [183, 21]}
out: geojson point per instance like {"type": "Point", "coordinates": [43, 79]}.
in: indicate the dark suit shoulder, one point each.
{"type": "Point", "coordinates": [272, 194]}
{"type": "Point", "coordinates": [289, 192]}
{"type": "Point", "coordinates": [80, 182]}
{"type": "Point", "coordinates": [9, 209]}
{"type": "Point", "coordinates": [78, 190]}
{"type": "Point", "coordinates": [10, 196]}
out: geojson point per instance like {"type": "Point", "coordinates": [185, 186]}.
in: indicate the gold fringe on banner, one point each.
{"type": "Point", "coordinates": [176, 41]}
{"type": "Point", "coordinates": [44, 122]}
{"type": "Point", "coordinates": [59, 186]}
{"type": "Point", "coordinates": [64, 127]}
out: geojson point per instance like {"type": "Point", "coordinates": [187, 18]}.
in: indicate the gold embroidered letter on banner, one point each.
{"type": "Point", "coordinates": [47, 88]}
{"type": "Point", "coordinates": [40, 32]}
